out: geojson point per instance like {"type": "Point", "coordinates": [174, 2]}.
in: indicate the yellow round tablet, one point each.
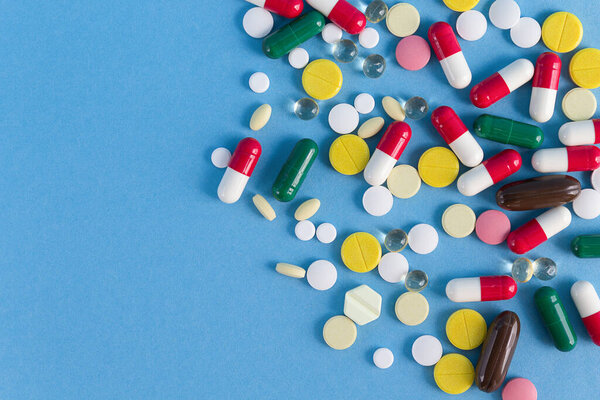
{"type": "Point", "coordinates": [361, 252]}
{"type": "Point", "coordinates": [438, 167]}
{"type": "Point", "coordinates": [454, 373]}
{"type": "Point", "coordinates": [579, 104]}
{"type": "Point", "coordinates": [339, 332]}
{"type": "Point", "coordinates": [412, 308]}
{"type": "Point", "coordinates": [403, 20]}
{"type": "Point", "coordinates": [458, 220]}
{"type": "Point", "coordinates": [585, 68]}
{"type": "Point", "coordinates": [562, 32]}
{"type": "Point", "coordinates": [460, 5]}
{"type": "Point", "coordinates": [404, 181]}
{"type": "Point", "coordinates": [466, 329]}
{"type": "Point", "coordinates": [349, 154]}
{"type": "Point", "coordinates": [322, 79]}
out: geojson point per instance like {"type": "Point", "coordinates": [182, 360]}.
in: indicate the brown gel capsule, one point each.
{"type": "Point", "coordinates": [497, 351]}
{"type": "Point", "coordinates": [546, 191]}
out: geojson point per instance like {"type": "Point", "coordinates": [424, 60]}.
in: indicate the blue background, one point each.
{"type": "Point", "coordinates": [123, 276]}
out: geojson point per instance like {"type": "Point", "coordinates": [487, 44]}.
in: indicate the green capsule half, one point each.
{"type": "Point", "coordinates": [555, 318]}
{"type": "Point", "coordinates": [507, 131]}
{"type": "Point", "coordinates": [295, 169]}
{"type": "Point", "coordinates": [290, 36]}
{"type": "Point", "coordinates": [586, 246]}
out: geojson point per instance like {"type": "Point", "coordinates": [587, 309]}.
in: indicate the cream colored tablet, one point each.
{"type": "Point", "coordinates": [403, 20]}
{"type": "Point", "coordinates": [404, 181]}
{"type": "Point", "coordinates": [579, 104]}
{"type": "Point", "coordinates": [260, 117]}
{"type": "Point", "coordinates": [263, 207]}
{"type": "Point", "coordinates": [458, 220]}
{"type": "Point", "coordinates": [371, 127]}
{"type": "Point", "coordinates": [393, 108]}
{"type": "Point", "coordinates": [339, 332]}
{"type": "Point", "coordinates": [412, 308]}
{"type": "Point", "coordinates": [290, 270]}
{"type": "Point", "coordinates": [307, 209]}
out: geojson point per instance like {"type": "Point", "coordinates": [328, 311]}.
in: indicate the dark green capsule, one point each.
{"type": "Point", "coordinates": [290, 36]}
{"type": "Point", "coordinates": [586, 246]}
{"type": "Point", "coordinates": [294, 170]}
{"type": "Point", "coordinates": [555, 318]}
{"type": "Point", "coordinates": [507, 131]}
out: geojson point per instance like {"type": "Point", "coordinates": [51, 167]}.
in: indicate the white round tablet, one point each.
{"type": "Point", "coordinates": [298, 58]}
{"type": "Point", "coordinates": [321, 275]}
{"type": "Point", "coordinates": [220, 157]}
{"type": "Point", "coordinates": [596, 179]}
{"type": "Point", "coordinates": [326, 233]}
{"type": "Point", "coordinates": [423, 238]}
{"type": "Point", "coordinates": [364, 103]}
{"type": "Point", "coordinates": [471, 25]}
{"type": "Point", "coordinates": [427, 350]}
{"type": "Point", "coordinates": [587, 204]}
{"type": "Point", "coordinates": [368, 38]}
{"type": "Point", "coordinates": [331, 33]}
{"type": "Point", "coordinates": [305, 230]}
{"type": "Point", "coordinates": [393, 267]}
{"type": "Point", "coordinates": [526, 33]}
{"type": "Point", "coordinates": [258, 22]}
{"type": "Point", "coordinates": [383, 358]}
{"type": "Point", "coordinates": [259, 82]}
{"type": "Point", "coordinates": [343, 118]}
{"type": "Point", "coordinates": [505, 14]}
{"type": "Point", "coordinates": [378, 200]}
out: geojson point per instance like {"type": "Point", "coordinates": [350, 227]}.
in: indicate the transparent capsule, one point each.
{"type": "Point", "coordinates": [395, 240]}
{"type": "Point", "coordinates": [374, 66]}
{"type": "Point", "coordinates": [345, 51]}
{"type": "Point", "coordinates": [416, 108]}
{"type": "Point", "coordinates": [522, 269]}
{"type": "Point", "coordinates": [376, 11]}
{"type": "Point", "coordinates": [544, 269]}
{"type": "Point", "coordinates": [416, 280]}
{"type": "Point", "coordinates": [306, 108]}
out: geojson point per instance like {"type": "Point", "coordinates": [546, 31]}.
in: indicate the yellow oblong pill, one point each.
{"type": "Point", "coordinates": [585, 68]}
{"type": "Point", "coordinates": [263, 206]}
{"type": "Point", "coordinates": [361, 252]}
{"type": "Point", "coordinates": [466, 329]}
{"type": "Point", "coordinates": [562, 32]}
{"type": "Point", "coordinates": [454, 373]}
{"type": "Point", "coordinates": [370, 127]}
{"type": "Point", "coordinates": [293, 271]}
{"type": "Point", "coordinates": [322, 79]}
{"type": "Point", "coordinates": [393, 108]}
{"type": "Point", "coordinates": [438, 167]}
{"type": "Point", "coordinates": [307, 209]}
{"type": "Point", "coordinates": [349, 154]}
{"type": "Point", "coordinates": [260, 117]}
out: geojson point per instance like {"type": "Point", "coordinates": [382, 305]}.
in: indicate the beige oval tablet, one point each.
{"type": "Point", "coordinates": [579, 104]}
{"type": "Point", "coordinates": [393, 108]}
{"type": "Point", "coordinates": [403, 20]}
{"type": "Point", "coordinates": [263, 207]}
{"type": "Point", "coordinates": [370, 127]}
{"type": "Point", "coordinates": [339, 332]}
{"type": "Point", "coordinates": [260, 117]}
{"type": "Point", "coordinates": [404, 181]}
{"type": "Point", "coordinates": [290, 270]}
{"type": "Point", "coordinates": [307, 209]}
{"type": "Point", "coordinates": [412, 308]}
{"type": "Point", "coordinates": [458, 220]}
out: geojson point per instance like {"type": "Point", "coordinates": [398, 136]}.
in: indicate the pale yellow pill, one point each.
{"type": "Point", "coordinates": [393, 108]}
{"type": "Point", "coordinates": [412, 308]}
{"type": "Point", "coordinates": [290, 270]}
{"type": "Point", "coordinates": [458, 220]}
{"type": "Point", "coordinates": [307, 209]}
{"type": "Point", "coordinates": [403, 20]}
{"type": "Point", "coordinates": [339, 332]}
{"type": "Point", "coordinates": [579, 104]}
{"type": "Point", "coordinates": [260, 117]}
{"type": "Point", "coordinates": [263, 207]}
{"type": "Point", "coordinates": [370, 127]}
{"type": "Point", "coordinates": [404, 181]}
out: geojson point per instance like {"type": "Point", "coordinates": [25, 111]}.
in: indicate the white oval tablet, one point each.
{"type": "Point", "coordinates": [258, 22]}
{"type": "Point", "coordinates": [505, 14]}
{"type": "Point", "coordinates": [383, 358]}
{"type": "Point", "coordinates": [321, 275]}
{"type": "Point", "coordinates": [423, 239]}
{"type": "Point", "coordinates": [368, 38]}
{"type": "Point", "coordinates": [587, 204]}
{"type": "Point", "coordinates": [393, 267]}
{"type": "Point", "coordinates": [471, 25]}
{"type": "Point", "coordinates": [331, 33]}
{"type": "Point", "coordinates": [378, 200]}
{"type": "Point", "coordinates": [326, 233]}
{"type": "Point", "coordinates": [343, 118]}
{"type": "Point", "coordinates": [526, 33]}
{"type": "Point", "coordinates": [220, 157]}
{"type": "Point", "coordinates": [364, 103]}
{"type": "Point", "coordinates": [305, 230]}
{"type": "Point", "coordinates": [298, 58]}
{"type": "Point", "coordinates": [596, 179]}
{"type": "Point", "coordinates": [259, 82]}
{"type": "Point", "coordinates": [427, 350]}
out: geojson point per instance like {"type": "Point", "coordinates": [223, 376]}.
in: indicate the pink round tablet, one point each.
{"type": "Point", "coordinates": [519, 389]}
{"type": "Point", "coordinates": [413, 53]}
{"type": "Point", "coordinates": [492, 227]}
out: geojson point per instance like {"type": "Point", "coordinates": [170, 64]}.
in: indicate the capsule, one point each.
{"type": "Point", "coordinates": [587, 302]}
{"type": "Point", "coordinates": [288, 37]}
{"type": "Point", "coordinates": [540, 192]}
{"type": "Point", "coordinates": [580, 133]}
{"type": "Point", "coordinates": [497, 351]}
{"type": "Point", "coordinates": [507, 131]}
{"type": "Point", "coordinates": [555, 318]}
{"type": "Point", "coordinates": [489, 172]}
{"type": "Point", "coordinates": [239, 170]}
{"type": "Point", "coordinates": [388, 151]}
{"type": "Point", "coordinates": [566, 159]}
{"type": "Point", "coordinates": [457, 136]}
{"type": "Point", "coordinates": [294, 170]}
{"type": "Point", "coordinates": [502, 83]}
{"type": "Point", "coordinates": [545, 87]}
{"type": "Point", "coordinates": [538, 230]}
{"type": "Point", "coordinates": [448, 52]}
{"type": "Point", "coordinates": [285, 8]}
{"type": "Point", "coordinates": [482, 288]}
{"type": "Point", "coordinates": [341, 13]}
{"type": "Point", "coordinates": [586, 246]}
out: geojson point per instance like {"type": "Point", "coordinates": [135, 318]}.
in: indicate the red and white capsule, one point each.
{"type": "Point", "coordinates": [566, 159]}
{"type": "Point", "coordinates": [388, 151]}
{"type": "Point", "coordinates": [285, 8]}
{"type": "Point", "coordinates": [580, 133]}
{"type": "Point", "coordinates": [545, 87]}
{"type": "Point", "coordinates": [448, 52]}
{"type": "Point", "coordinates": [482, 288]}
{"type": "Point", "coordinates": [538, 230]}
{"type": "Point", "coordinates": [587, 302]}
{"type": "Point", "coordinates": [491, 171]}
{"type": "Point", "coordinates": [239, 170]}
{"type": "Point", "coordinates": [341, 13]}
{"type": "Point", "coordinates": [457, 136]}
{"type": "Point", "coordinates": [502, 83]}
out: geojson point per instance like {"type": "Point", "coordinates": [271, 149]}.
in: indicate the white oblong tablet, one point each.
{"type": "Point", "coordinates": [364, 103]}
{"type": "Point", "coordinates": [331, 33]}
{"type": "Point", "coordinates": [596, 179]}
{"type": "Point", "coordinates": [321, 275]}
{"type": "Point", "coordinates": [326, 233]}
{"type": "Point", "coordinates": [526, 33]}
{"type": "Point", "coordinates": [427, 350]}
{"type": "Point", "coordinates": [298, 58]}
{"type": "Point", "coordinates": [305, 230]}
{"type": "Point", "coordinates": [343, 118]}
{"type": "Point", "coordinates": [423, 239]}
{"type": "Point", "coordinates": [220, 157]}
{"type": "Point", "coordinates": [368, 38]}
{"type": "Point", "coordinates": [259, 82]}
{"type": "Point", "coordinates": [378, 200]}
{"type": "Point", "coordinates": [505, 14]}
{"type": "Point", "coordinates": [258, 22]}
{"type": "Point", "coordinates": [393, 267]}
{"type": "Point", "coordinates": [471, 25]}
{"type": "Point", "coordinates": [383, 358]}
{"type": "Point", "coordinates": [587, 204]}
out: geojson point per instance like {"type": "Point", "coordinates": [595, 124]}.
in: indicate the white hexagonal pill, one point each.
{"type": "Point", "coordinates": [321, 275]}
{"type": "Point", "coordinates": [383, 358]}
{"type": "Point", "coordinates": [423, 239]}
{"type": "Point", "coordinates": [378, 200]}
{"type": "Point", "coordinates": [393, 267]}
{"type": "Point", "coordinates": [343, 118]}
{"type": "Point", "coordinates": [362, 305]}
{"type": "Point", "coordinates": [427, 350]}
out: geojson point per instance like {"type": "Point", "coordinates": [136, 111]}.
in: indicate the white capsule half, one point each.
{"type": "Point", "coordinates": [550, 160]}
{"type": "Point", "coordinates": [554, 220]}
{"type": "Point", "coordinates": [541, 106]}
{"type": "Point", "coordinates": [462, 290]}
{"type": "Point", "coordinates": [232, 186]}
{"type": "Point", "coordinates": [378, 168]}
{"type": "Point", "coordinates": [577, 133]}
{"type": "Point", "coordinates": [585, 298]}
{"type": "Point", "coordinates": [467, 150]}
{"type": "Point", "coordinates": [457, 70]}
{"type": "Point", "coordinates": [517, 73]}
{"type": "Point", "coordinates": [474, 181]}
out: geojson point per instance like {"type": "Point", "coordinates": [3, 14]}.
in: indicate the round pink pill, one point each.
{"type": "Point", "coordinates": [492, 227]}
{"type": "Point", "coordinates": [519, 389]}
{"type": "Point", "coordinates": [413, 53]}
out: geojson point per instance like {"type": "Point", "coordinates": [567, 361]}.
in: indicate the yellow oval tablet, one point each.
{"type": "Point", "coordinates": [307, 209]}
{"type": "Point", "coordinates": [403, 20]}
{"type": "Point", "coordinates": [260, 117]}
{"type": "Point", "coordinates": [460, 5]}
{"type": "Point", "coordinates": [404, 181]}
{"type": "Point", "coordinates": [454, 373]}
{"type": "Point", "coordinates": [458, 221]}
{"type": "Point", "coordinates": [349, 154]}
{"type": "Point", "coordinates": [412, 308]}
{"type": "Point", "coordinates": [438, 167]}
{"type": "Point", "coordinates": [562, 32]}
{"type": "Point", "coordinates": [579, 104]}
{"type": "Point", "coordinates": [339, 332]}
{"type": "Point", "coordinates": [293, 271]}
{"type": "Point", "coordinates": [322, 79]}
{"type": "Point", "coordinates": [370, 127]}
{"type": "Point", "coordinates": [393, 108]}
{"type": "Point", "coordinates": [466, 329]}
{"type": "Point", "coordinates": [361, 252]}
{"type": "Point", "coordinates": [263, 207]}
{"type": "Point", "coordinates": [585, 68]}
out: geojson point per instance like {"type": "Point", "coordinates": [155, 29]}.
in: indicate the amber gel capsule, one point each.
{"type": "Point", "coordinates": [546, 191]}
{"type": "Point", "coordinates": [294, 170]}
{"type": "Point", "coordinates": [507, 131]}
{"type": "Point", "coordinates": [555, 318]}
{"type": "Point", "coordinates": [586, 246]}
{"type": "Point", "coordinates": [292, 35]}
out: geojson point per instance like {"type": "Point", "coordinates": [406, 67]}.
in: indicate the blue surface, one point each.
{"type": "Point", "coordinates": [123, 277]}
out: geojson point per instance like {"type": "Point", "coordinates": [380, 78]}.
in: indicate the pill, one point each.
{"type": "Point", "coordinates": [361, 252]}
{"type": "Point", "coordinates": [411, 308]}
{"type": "Point", "coordinates": [502, 83]}
{"type": "Point", "coordinates": [580, 133]}
{"type": "Point", "coordinates": [587, 302]}
{"type": "Point", "coordinates": [579, 104]}
{"type": "Point", "coordinates": [596, 179]}
{"type": "Point", "coordinates": [545, 87]}
{"type": "Point", "coordinates": [526, 33]}
{"type": "Point", "coordinates": [370, 127]}
{"type": "Point", "coordinates": [285, 8]}
{"type": "Point", "coordinates": [492, 227]}
{"type": "Point", "coordinates": [362, 305]}
{"type": "Point", "coordinates": [339, 332]}
{"type": "Point", "coordinates": [307, 209]}
{"type": "Point", "coordinates": [403, 19]}
{"type": "Point", "coordinates": [220, 157]}
{"type": "Point", "coordinates": [393, 267]}
{"type": "Point", "coordinates": [298, 58]}
{"type": "Point", "coordinates": [349, 154]}
{"type": "Point", "coordinates": [368, 38]}
{"type": "Point", "coordinates": [507, 131]}
{"type": "Point", "coordinates": [388, 151]}
{"type": "Point", "coordinates": [519, 389]}
{"type": "Point", "coordinates": [586, 246]}
{"type": "Point", "coordinates": [562, 32]}
{"type": "Point", "coordinates": [404, 181]}
{"type": "Point", "coordinates": [377, 201]}
{"type": "Point", "coordinates": [466, 329]}
{"type": "Point", "coordinates": [505, 14]}
{"type": "Point", "coordinates": [257, 22]}
{"type": "Point", "coordinates": [383, 358]}
{"type": "Point", "coordinates": [343, 118]}
{"type": "Point", "coordinates": [555, 318]}
{"type": "Point", "coordinates": [239, 170]}
{"type": "Point", "coordinates": [413, 53]}
{"type": "Point", "coordinates": [587, 204]}
{"type": "Point", "coordinates": [427, 350]}
{"type": "Point", "coordinates": [292, 35]}
{"type": "Point", "coordinates": [321, 274]}
{"type": "Point", "coordinates": [566, 159]}
{"type": "Point", "coordinates": [364, 103]}
{"type": "Point", "coordinates": [341, 13]}
{"type": "Point", "coordinates": [438, 167]}
{"type": "Point", "coordinates": [326, 233]}
{"type": "Point", "coordinates": [482, 288]}
{"type": "Point", "coordinates": [423, 238]}
{"type": "Point", "coordinates": [322, 79]}
{"type": "Point", "coordinates": [538, 230]}
{"type": "Point", "coordinates": [497, 351]}
{"type": "Point", "coordinates": [393, 108]}
{"type": "Point", "coordinates": [290, 270]}
{"type": "Point", "coordinates": [260, 117]}
{"type": "Point", "coordinates": [457, 136]}
{"type": "Point", "coordinates": [305, 230]}
{"type": "Point", "coordinates": [259, 82]}
{"type": "Point", "coordinates": [460, 5]}
{"type": "Point", "coordinates": [263, 206]}
{"type": "Point", "coordinates": [331, 33]}
{"type": "Point", "coordinates": [449, 54]}
{"type": "Point", "coordinates": [471, 25]}
{"type": "Point", "coordinates": [540, 192]}
{"type": "Point", "coordinates": [585, 68]}
{"type": "Point", "coordinates": [489, 172]}
{"type": "Point", "coordinates": [454, 373]}
{"type": "Point", "coordinates": [458, 221]}
{"type": "Point", "coordinates": [294, 170]}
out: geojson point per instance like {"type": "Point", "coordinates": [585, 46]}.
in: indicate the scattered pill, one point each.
{"type": "Point", "coordinates": [285, 8]}
{"type": "Point", "coordinates": [454, 373]}
{"type": "Point", "coordinates": [580, 133]}
{"type": "Point", "coordinates": [438, 167]}
{"type": "Point", "coordinates": [526, 33]}
{"type": "Point", "coordinates": [505, 14]}
{"type": "Point", "coordinates": [263, 206]}
{"type": "Point", "coordinates": [454, 132]}
{"type": "Point", "coordinates": [393, 267]}
{"type": "Point", "coordinates": [298, 58]}
{"type": "Point", "coordinates": [585, 68]}
{"type": "Point", "coordinates": [413, 53]}
{"type": "Point", "coordinates": [307, 209]}
{"type": "Point", "coordinates": [339, 332]}
{"type": "Point", "coordinates": [502, 83]}
{"type": "Point", "coordinates": [481, 288]}
{"type": "Point", "coordinates": [404, 181]}
{"type": "Point", "coordinates": [395, 240]}
{"type": "Point", "coordinates": [362, 305]}
{"type": "Point", "coordinates": [416, 280]}
{"type": "Point", "coordinates": [519, 389]}
{"type": "Point", "coordinates": [423, 239]}
{"type": "Point", "coordinates": [257, 22]}
{"type": "Point", "coordinates": [596, 179]}
{"type": "Point", "coordinates": [259, 82]}
{"type": "Point", "coordinates": [294, 171]}
{"type": "Point", "coordinates": [566, 159]}
{"type": "Point", "coordinates": [326, 233]}
{"type": "Point", "coordinates": [471, 25]}
{"type": "Point", "coordinates": [587, 302]}
{"type": "Point", "coordinates": [321, 275]}
{"type": "Point", "coordinates": [460, 5]}
{"type": "Point", "coordinates": [305, 230]}
{"type": "Point", "coordinates": [555, 317]}
{"type": "Point", "coordinates": [522, 270]}
{"type": "Point", "coordinates": [458, 220]}
{"type": "Point", "coordinates": [545, 86]}
{"type": "Point", "coordinates": [361, 252]}
{"type": "Point", "coordinates": [587, 204]}
{"type": "Point", "coordinates": [343, 118]}
{"type": "Point", "coordinates": [393, 108]}
{"type": "Point", "coordinates": [376, 11]}
{"type": "Point", "coordinates": [368, 38]}
{"type": "Point", "coordinates": [331, 33]}
{"type": "Point", "coordinates": [373, 66]}
{"type": "Point", "coordinates": [341, 13]}
{"type": "Point", "coordinates": [260, 117]}
{"type": "Point", "coordinates": [427, 350]}
{"type": "Point", "coordinates": [544, 269]}
{"type": "Point", "coordinates": [411, 308]}
{"type": "Point", "coordinates": [292, 35]}
{"type": "Point", "coordinates": [489, 172]}
{"type": "Point", "coordinates": [220, 157]}
{"type": "Point", "coordinates": [290, 270]}
{"type": "Point", "coordinates": [364, 103]}
{"type": "Point", "coordinates": [349, 154]}
{"type": "Point", "coordinates": [416, 108]}
{"type": "Point", "coordinates": [383, 358]}
{"type": "Point", "coordinates": [239, 170]}
{"type": "Point", "coordinates": [377, 201]}
{"type": "Point", "coordinates": [322, 79]}
{"type": "Point", "coordinates": [579, 104]}
{"type": "Point", "coordinates": [466, 329]}
{"type": "Point", "coordinates": [345, 51]}
{"type": "Point", "coordinates": [507, 131]}
{"type": "Point", "coordinates": [388, 151]}
{"type": "Point", "coordinates": [306, 108]}
{"type": "Point", "coordinates": [492, 227]}
{"type": "Point", "coordinates": [538, 230]}
{"type": "Point", "coordinates": [562, 32]}
{"type": "Point", "coordinates": [449, 54]}
{"type": "Point", "coordinates": [403, 19]}
{"type": "Point", "coordinates": [370, 127]}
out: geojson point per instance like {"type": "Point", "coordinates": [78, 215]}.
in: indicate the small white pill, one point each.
{"type": "Point", "coordinates": [364, 103]}
{"type": "Point", "coordinates": [220, 157]}
{"type": "Point", "coordinates": [471, 25]}
{"type": "Point", "coordinates": [321, 275]}
{"type": "Point", "coordinates": [258, 22]}
{"type": "Point", "coordinates": [423, 239]}
{"type": "Point", "coordinates": [326, 233]}
{"type": "Point", "coordinates": [259, 82]}
{"type": "Point", "coordinates": [526, 33]}
{"type": "Point", "coordinates": [427, 350]}
{"type": "Point", "coordinates": [596, 179]}
{"type": "Point", "coordinates": [587, 204]}
{"type": "Point", "coordinates": [378, 200]}
{"type": "Point", "coordinates": [383, 358]}
{"type": "Point", "coordinates": [298, 58]}
{"type": "Point", "coordinates": [368, 38]}
{"type": "Point", "coordinates": [505, 14]}
{"type": "Point", "coordinates": [343, 118]}
{"type": "Point", "coordinates": [305, 230]}
{"type": "Point", "coordinates": [393, 267]}
{"type": "Point", "coordinates": [331, 33]}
